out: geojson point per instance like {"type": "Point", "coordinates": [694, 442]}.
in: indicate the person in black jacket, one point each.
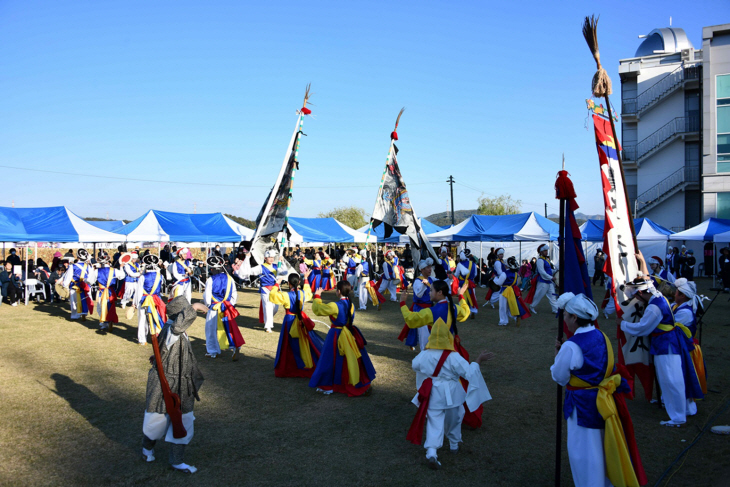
{"type": "Point", "coordinates": [10, 284]}
{"type": "Point", "coordinates": [724, 268]}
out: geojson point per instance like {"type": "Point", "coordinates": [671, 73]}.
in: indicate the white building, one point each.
{"type": "Point", "coordinates": [675, 104]}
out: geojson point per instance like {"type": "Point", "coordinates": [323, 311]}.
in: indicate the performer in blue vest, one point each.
{"type": "Point", "coordinates": [658, 273]}
{"type": "Point", "coordinates": [344, 365]}
{"type": "Point", "coordinates": [220, 296]}
{"type": "Point", "coordinates": [542, 283]}
{"type": "Point", "coordinates": [316, 264]}
{"type": "Point", "coordinates": [181, 271]}
{"type": "Point", "coordinates": [351, 260]}
{"type": "Point", "coordinates": [270, 273]}
{"type": "Point", "coordinates": [497, 271]}
{"type": "Point", "coordinates": [106, 298]}
{"type": "Point", "coordinates": [132, 272]}
{"type": "Point", "coordinates": [391, 276]}
{"type": "Point", "coordinates": [585, 365]}
{"type": "Point", "coordinates": [444, 262]}
{"type": "Point", "coordinates": [671, 344]}
{"type": "Point", "coordinates": [77, 280]}
{"type": "Point", "coordinates": [511, 304]}
{"type": "Point", "coordinates": [365, 288]}
{"type": "Point", "coordinates": [148, 300]}
{"type": "Point", "coordinates": [466, 270]}
{"type": "Point", "coordinates": [687, 304]}
{"type": "Point", "coordinates": [421, 300]}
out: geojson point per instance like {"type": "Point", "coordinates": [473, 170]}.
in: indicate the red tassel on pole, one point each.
{"type": "Point", "coordinates": [394, 135]}
{"type": "Point", "coordinates": [564, 187]}
{"type": "Point", "coordinates": [306, 110]}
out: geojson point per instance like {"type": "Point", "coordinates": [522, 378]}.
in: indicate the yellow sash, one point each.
{"type": "Point", "coordinates": [178, 287]}
{"type": "Point", "coordinates": [509, 295]}
{"type": "Point", "coordinates": [347, 347]}
{"type": "Point", "coordinates": [619, 469]}
{"type": "Point", "coordinates": [74, 284]}
{"type": "Point", "coordinates": [299, 332]}
{"type": "Point", "coordinates": [371, 291]}
{"type": "Point", "coordinates": [155, 325]}
{"type": "Point", "coordinates": [222, 338]}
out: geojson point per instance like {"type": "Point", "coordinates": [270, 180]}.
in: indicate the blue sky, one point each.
{"type": "Point", "coordinates": [206, 92]}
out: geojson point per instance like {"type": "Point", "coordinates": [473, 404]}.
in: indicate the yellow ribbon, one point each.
{"type": "Point", "coordinates": [79, 308]}
{"type": "Point", "coordinates": [686, 330]}
{"type": "Point", "coordinates": [509, 295]}
{"type": "Point", "coordinates": [347, 347]}
{"type": "Point", "coordinates": [149, 301]}
{"type": "Point", "coordinates": [619, 468]}
{"type": "Point", "coordinates": [104, 299]}
{"type": "Point", "coordinates": [371, 291]}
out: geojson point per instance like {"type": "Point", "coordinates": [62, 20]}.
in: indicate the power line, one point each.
{"type": "Point", "coordinates": [537, 205]}
{"type": "Point", "coordinates": [189, 183]}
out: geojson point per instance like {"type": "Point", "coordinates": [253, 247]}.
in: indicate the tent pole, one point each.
{"type": "Point", "coordinates": [26, 273]}
{"type": "Point", "coordinates": [714, 256]}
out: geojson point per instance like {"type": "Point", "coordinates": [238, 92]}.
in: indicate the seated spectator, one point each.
{"type": "Point", "coordinates": [56, 275]}
{"type": "Point", "coordinates": [11, 286]}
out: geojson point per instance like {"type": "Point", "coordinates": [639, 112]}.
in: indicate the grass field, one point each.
{"type": "Point", "coordinates": [71, 406]}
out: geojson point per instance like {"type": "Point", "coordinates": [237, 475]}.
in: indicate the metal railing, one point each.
{"type": "Point", "coordinates": [683, 175]}
{"type": "Point", "coordinates": [679, 125]}
{"type": "Point", "coordinates": [658, 90]}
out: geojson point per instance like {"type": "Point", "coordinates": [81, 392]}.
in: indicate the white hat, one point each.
{"type": "Point", "coordinates": [425, 263]}
{"type": "Point", "coordinates": [444, 250]}
{"type": "Point", "coordinates": [542, 247]}
{"type": "Point", "coordinates": [462, 255]}
{"type": "Point", "coordinates": [270, 253]}
{"type": "Point", "coordinates": [500, 251]}
{"type": "Point", "coordinates": [631, 288]}
{"type": "Point", "coordinates": [183, 252]}
{"type": "Point", "coordinates": [364, 253]}
{"type": "Point", "coordinates": [578, 305]}
{"type": "Point", "coordinates": [688, 288]}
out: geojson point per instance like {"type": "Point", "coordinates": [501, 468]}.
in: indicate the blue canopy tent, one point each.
{"type": "Point", "coordinates": [49, 224]}
{"type": "Point", "coordinates": [165, 226]}
{"type": "Point", "coordinates": [500, 228]}
{"type": "Point", "coordinates": [108, 225]}
{"type": "Point", "coordinates": [323, 230]}
{"type": "Point", "coordinates": [396, 237]}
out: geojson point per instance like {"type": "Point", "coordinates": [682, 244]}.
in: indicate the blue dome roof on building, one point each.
{"type": "Point", "coordinates": [667, 41]}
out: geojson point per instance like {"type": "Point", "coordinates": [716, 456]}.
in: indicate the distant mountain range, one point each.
{"type": "Point", "coordinates": [578, 216]}
{"type": "Point", "coordinates": [444, 219]}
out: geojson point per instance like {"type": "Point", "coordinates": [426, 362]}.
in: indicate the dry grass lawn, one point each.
{"type": "Point", "coordinates": [72, 403]}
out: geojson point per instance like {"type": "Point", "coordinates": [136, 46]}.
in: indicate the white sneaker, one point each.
{"type": "Point", "coordinates": [433, 463]}
{"type": "Point", "coordinates": [148, 455]}
{"type": "Point", "coordinates": [532, 310]}
{"type": "Point", "coordinates": [184, 467]}
{"type": "Point", "coordinates": [14, 304]}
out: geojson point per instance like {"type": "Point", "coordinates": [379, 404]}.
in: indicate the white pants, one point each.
{"type": "Point", "coordinates": [504, 313]}
{"type": "Point", "coordinates": [143, 328]}
{"type": "Point", "coordinates": [75, 313]}
{"type": "Point", "coordinates": [610, 307]}
{"type": "Point", "coordinates": [157, 426]}
{"type": "Point", "coordinates": [671, 381]}
{"type": "Point", "coordinates": [495, 297]}
{"type": "Point", "coordinates": [352, 279]}
{"type": "Point", "coordinates": [440, 422]}
{"type": "Point", "coordinates": [130, 290]}
{"type": "Point", "coordinates": [423, 336]}
{"type": "Point", "coordinates": [184, 289]}
{"type": "Point", "coordinates": [392, 286]}
{"type": "Point", "coordinates": [363, 293]}
{"type": "Point", "coordinates": [211, 333]}
{"type": "Point", "coordinates": [585, 452]}
{"type": "Point", "coordinates": [270, 309]}
{"type": "Point", "coordinates": [545, 289]}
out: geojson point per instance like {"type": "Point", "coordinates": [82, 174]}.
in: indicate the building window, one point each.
{"type": "Point", "coordinates": [723, 205]}
{"type": "Point", "coordinates": [723, 123]}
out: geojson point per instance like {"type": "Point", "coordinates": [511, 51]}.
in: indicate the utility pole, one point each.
{"type": "Point", "coordinates": [545, 210]}
{"type": "Point", "coordinates": [451, 183]}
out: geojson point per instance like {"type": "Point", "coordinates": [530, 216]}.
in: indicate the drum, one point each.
{"type": "Point", "coordinates": [667, 289]}
{"type": "Point", "coordinates": [494, 286]}
{"type": "Point", "coordinates": [62, 291]}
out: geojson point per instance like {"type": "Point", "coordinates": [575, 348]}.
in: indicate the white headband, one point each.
{"type": "Point", "coordinates": [500, 252]}
{"type": "Point", "coordinates": [425, 263]}
{"type": "Point", "coordinates": [270, 253]}
{"type": "Point", "coordinates": [578, 305]}
{"type": "Point", "coordinates": [688, 288]}
{"type": "Point", "coordinates": [542, 247]}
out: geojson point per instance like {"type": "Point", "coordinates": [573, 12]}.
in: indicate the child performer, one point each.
{"type": "Point", "coordinates": [184, 378]}
{"type": "Point", "coordinates": [147, 296]}
{"type": "Point", "coordinates": [441, 395]}
{"type": "Point", "coordinates": [466, 271]}
{"type": "Point", "coordinates": [510, 298]}
{"type": "Point", "coordinates": [182, 271]}
{"type": "Point", "coordinates": [584, 363]}
{"type": "Point", "coordinates": [328, 281]}
{"type": "Point", "coordinates": [299, 346]}
{"type": "Point", "coordinates": [220, 296]}
{"type": "Point", "coordinates": [344, 365]}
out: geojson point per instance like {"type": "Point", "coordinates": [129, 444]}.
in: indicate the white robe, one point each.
{"type": "Point", "coordinates": [544, 288]}
{"type": "Point", "coordinates": [212, 346]}
{"type": "Point", "coordinates": [446, 403]}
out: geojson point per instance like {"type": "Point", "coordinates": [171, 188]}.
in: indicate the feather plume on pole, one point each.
{"type": "Point", "coordinates": [394, 134]}
{"type": "Point", "coordinates": [307, 95]}
{"type": "Point", "coordinates": [601, 85]}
